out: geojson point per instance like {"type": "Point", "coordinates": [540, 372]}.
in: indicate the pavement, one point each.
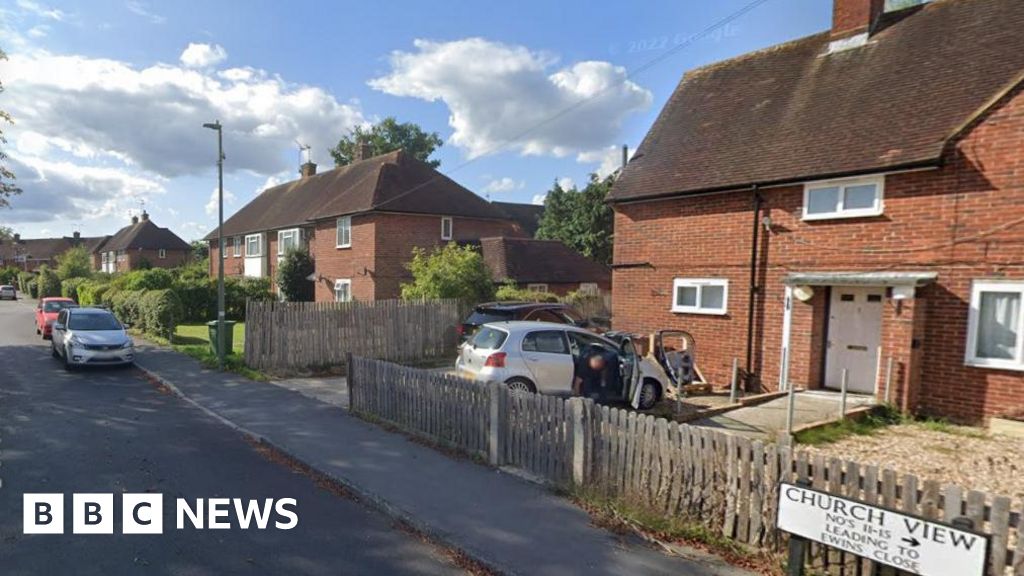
{"type": "Point", "coordinates": [765, 421]}
{"type": "Point", "coordinates": [328, 389]}
{"type": "Point", "coordinates": [112, 431]}
{"type": "Point", "coordinates": [509, 525]}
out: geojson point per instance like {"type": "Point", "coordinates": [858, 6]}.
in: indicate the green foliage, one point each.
{"type": "Point", "coordinates": [32, 288]}
{"type": "Point", "coordinates": [7, 188]}
{"type": "Point", "coordinates": [70, 288]}
{"type": "Point", "coordinates": [74, 263]}
{"type": "Point", "coordinates": [198, 298]}
{"type": "Point", "coordinates": [90, 292]}
{"type": "Point", "coordinates": [200, 250]}
{"type": "Point", "coordinates": [159, 311]}
{"type": "Point", "coordinates": [238, 290]}
{"type": "Point", "coordinates": [125, 305]}
{"type": "Point", "coordinates": [386, 136]}
{"type": "Point", "coordinates": [448, 272]}
{"type": "Point", "coordinates": [152, 279]}
{"type": "Point", "coordinates": [864, 426]}
{"type": "Point", "coordinates": [9, 275]}
{"type": "Point", "coordinates": [48, 283]}
{"type": "Point", "coordinates": [581, 219]}
{"type": "Point", "coordinates": [510, 292]}
{"type": "Point", "coordinates": [24, 278]}
{"type": "Point", "coordinates": [292, 276]}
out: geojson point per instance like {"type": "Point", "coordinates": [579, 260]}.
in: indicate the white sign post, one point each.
{"type": "Point", "coordinates": [903, 541]}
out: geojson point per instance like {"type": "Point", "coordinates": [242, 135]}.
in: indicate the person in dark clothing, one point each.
{"type": "Point", "coordinates": [596, 373]}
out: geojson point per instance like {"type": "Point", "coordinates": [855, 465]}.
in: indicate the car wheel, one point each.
{"type": "Point", "coordinates": [53, 351]}
{"type": "Point", "coordinates": [650, 393]}
{"type": "Point", "coordinates": [67, 363]}
{"type": "Point", "coordinates": [38, 331]}
{"type": "Point", "coordinates": [520, 385]}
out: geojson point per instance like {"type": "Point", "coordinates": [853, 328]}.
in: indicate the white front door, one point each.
{"type": "Point", "coordinates": [854, 336]}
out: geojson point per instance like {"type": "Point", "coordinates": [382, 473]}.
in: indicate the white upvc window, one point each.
{"type": "Point", "coordinates": [237, 246]}
{"type": "Point", "coordinates": [539, 287]}
{"type": "Point", "coordinates": [446, 227]}
{"type": "Point", "coordinates": [343, 290]}
{"type": "Point", "coordinates": [287, 240]}
{"type": "Point", "coordinates": [590, 288]}
{"type": "Point", "coordinates": [344, 233]}
{"type": "Point", "coordinates": [700, 295]}
{"type": "Point", "coordinates": [253, 245]}
{"type": "Point", "coordinates": [850, 198]}
{"type": "Point", "coordinates": [161, 254]}
{"type": "Point", "coordinates": [104, 257]}
{"type": "Point", "coordinates": [121, 256]}
{"type": "Point", "coordinates": [995, 325]}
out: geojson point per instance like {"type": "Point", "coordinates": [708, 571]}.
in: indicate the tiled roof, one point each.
{"type": "Point", "coordinates": [526, 215]}
{"type": "Point", "coordinates": [530, 260]}
{"type": "Point", "coordinates": [145, 235]}
{"type": "Point", "coordinates": [45, 248]}
{"type": "Point", "coordinates": [796, 112]}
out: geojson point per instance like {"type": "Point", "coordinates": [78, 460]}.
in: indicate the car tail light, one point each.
{"type": "Point", "coordinates": [496, 360]}
{"type": "Point", "coordinates": [460, 329]}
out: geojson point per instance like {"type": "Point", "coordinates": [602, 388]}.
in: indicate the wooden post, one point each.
{"type": "Point", "coordinates": [842, 394]}
{"type": "Point", "coordinates": [578, 441]}
{"type": "Point", "coordinates": [735, 377]}
{"type": "Point", "coordinates": [495, 436]}
{"type": "Point", "coordinates": [789, 410]}
{"type": "Point", "coordinates": [349, 372]}
{"type": "Point", "coordinates": [797, 547]}
{"type": "Point", "coordinates": [888, 380]}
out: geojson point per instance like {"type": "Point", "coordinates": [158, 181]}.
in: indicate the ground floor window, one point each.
{"type": "Point", "coordinates": [537, 287]}
{"type": "Point", "coordinates": [589, 288]}
{"type": "Point", "coordinates": [700, 295]}
{"type": "Point", "coordinates": [995, 334]}
{"type": "Point", "coordinates": [343, 290]}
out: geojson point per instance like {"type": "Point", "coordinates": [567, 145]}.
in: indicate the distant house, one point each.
{"type": "Point", "coordinates": [141, 244]}
{"type": "Point", "coordinates": [544, 266]}
{"type": "Point", "coordinates": [30, 254]}
{"type": "Point", "coordinates": [360, 223]}
{"type": "Point", "coordinates": [843, 206]}
{"type": "Point", "coordinates": [526, 215]}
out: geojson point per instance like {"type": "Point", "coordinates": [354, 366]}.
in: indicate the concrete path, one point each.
{"type": "Point", "coordinates": [765, 421]}
{"type": "Point", "coordinates": [512, 526]}
{"type": "Point", "coordinates": [331, 390]}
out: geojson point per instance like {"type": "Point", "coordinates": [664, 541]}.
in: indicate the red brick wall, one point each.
{"type": "Point", "coordinates": [564, 288]}
{"type": "Point", "coordinates": [333, 263]}
{"type": "Point", "coordinates": [964, 221]}
{"type": "Point", "coordinates": [854, 16]}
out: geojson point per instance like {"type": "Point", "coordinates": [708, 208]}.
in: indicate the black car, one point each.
{"type": "Point", "coordinates": [507, 311]}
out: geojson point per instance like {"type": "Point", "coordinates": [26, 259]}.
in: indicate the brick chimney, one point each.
{"type": "Point", "coordinates": [135, 219]}
{"type": "Point", "coordinates": [145, 216]}
{"type": "Point", "coordinates": [853, 17]}
{"type": "Point", "coordinates": [17, 238]}
{"type": "Point", "coordinates": [364, 151]}
{"type": "Point", "coordinates": [308, 169]}
{"type": "Point", "coordinates": [77, 235]}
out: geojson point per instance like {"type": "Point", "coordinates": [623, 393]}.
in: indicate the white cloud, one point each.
{"type": "Point", "coordinates": [41, 11]}
{"type": "Point", "coordinates": [274, 180]}
{"type": "Point", "coordinates": [38, 31]}
{"type": "Point", "coordinates": [198, 55]}
{"type": "Point", "coordinates": [496, 91]}
{"type": "Point", "coordinates": [566, 183]}
{"type": "Point", "coordinates": [151, 118]}
{"type": "Point", "coordinates": [608, 160]}
{"type": "Point", "coordinates": [538, 199]}
{"type": "Point", "coordinates": [140, 9]}
{"type": "Point", "coordinates": [211, 205]}
{"type": "Point", "coordinates": [505, 184]}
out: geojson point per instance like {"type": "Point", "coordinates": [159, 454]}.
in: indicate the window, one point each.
{"type": "Point", "coordinates": [589, 288]}
{"type": "Point", "coordinates": [104, 257]}
{"type": "Point", "coordinates": [537, 287]}
{"type": "Point", "coordinates": [238, 246]}
{"type": "Point", "coordinates": [343, 290]}
{"type": "Point", "coordinates": [843, 198]}
{"type": "Point", "coordinates": [995, 325]}
{"type": "Point", "coordinates": [700, 295]}
{"type": "Point", "coordinates": [344, 232]}
{"type": "Point", "coordinates": [544, 316]}
{"type": "Point", "coordinates": [121, 256]}
{"type": "Point", "coordinates": [253, 246]}
{"type": "Point", "coordinates": [287, 240]}
{"type": "Point", "coordinates": [446, 228]}
{"type": "Point", "coordinates": [547, 341]}
{"type": "Point", "coordinates": [161, 254]}
{"type": "Point", "coordinates": [489, 338]}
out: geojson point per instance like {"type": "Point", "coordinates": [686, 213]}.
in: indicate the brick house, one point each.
{"type": "Point", "coordinates": [360, 223]}
{"type": "Point", "coordinates": [841, 200]}
{"type": "Point", "coordinates": [140, 244]}
{"type": "Point", "coordinates": [544, 266]}
{"type": "Point", "coordinates": [29, 254]}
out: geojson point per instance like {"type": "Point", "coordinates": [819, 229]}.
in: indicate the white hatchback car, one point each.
{"type": "Point", "coordinates": [542, 357]}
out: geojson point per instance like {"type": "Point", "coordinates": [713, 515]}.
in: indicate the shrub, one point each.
{"type": "Point", "coordinates": [448, 272]}
{"type": "Point", "coordinates": [23, 279]}
{"type": "Point", "coordinates": [70, 288]}
{"type": "Point", "coordinates": [238, 290]}
{"type": "Point", "coordinates": [48, 284]}
{"type": "Point", "coordinates": [159, 311]}
{"type": "Point", "coordinates": [509, 291]}
{"type": "Point", "coordinates": [90, 292]}
{"type": "Point", "coordinates": [152, 279]}
{"type": "Point", "coordinates": [32, 288]}
{"type": "Point", "coordinates": [9, 275]}
{"type": "Point", "coordinates": [126, 306]}
{"type": "Point", "coordinates": [293, 276]}
{"type": "Point", "coordinates": [74, 263]}
{"type": "Point", "coordinates": [198, 297]}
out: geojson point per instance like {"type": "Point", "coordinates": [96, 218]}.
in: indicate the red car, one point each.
{"type": "Point", "coordinates": [46, 313]}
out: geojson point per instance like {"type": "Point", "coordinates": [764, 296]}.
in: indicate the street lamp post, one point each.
{"type": "Point", "coordinates": [220, 241]}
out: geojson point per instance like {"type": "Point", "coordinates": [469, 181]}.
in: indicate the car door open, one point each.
{"type": "Point", "coordinates": [630, 372]}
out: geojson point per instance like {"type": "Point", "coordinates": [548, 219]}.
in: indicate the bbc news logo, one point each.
{"type": "Point", "coordinates": [144, 513]}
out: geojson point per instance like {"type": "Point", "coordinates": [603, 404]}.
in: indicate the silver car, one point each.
{"type": "Point", "coordinates": [90, 336]}
{"type": "Point", "coordinates": [8, 292]}
{"type": "Point", "coordinates": [542, 357]}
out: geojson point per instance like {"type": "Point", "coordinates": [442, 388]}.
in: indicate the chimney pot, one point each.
{"type": "Point", "coordinates": [135, 219]}
{"type": "Point", "coordinates": [145, 216]}
{"type": "Point", "coordinates": [852, 17]}
{"type": "Point", "coordinates": [364, 151]}
{"type": "Point", "coordinates": [17, 237]}
{"type": "Point", "coordinates": [77, 235]}
{"type": "Point", "coordinates": [308, 169]}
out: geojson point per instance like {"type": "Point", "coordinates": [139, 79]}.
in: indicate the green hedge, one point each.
{"type": "Point", "coordinates": [48, 283]}
{"type": "Point", "coordinates": [32, 288]}
{"type": "Point", "coordinates": [71, 287]}
{"type": "Point", "coordinates": [159, 312]}
{"type": "Point", "coordinates": [238, 290]}
{"type": "Point", "coordinates": [9, 275]}
{"type": "Point", "coordinates": [23, 280]}
{"type": "Point", "coordinates": [90, 293]}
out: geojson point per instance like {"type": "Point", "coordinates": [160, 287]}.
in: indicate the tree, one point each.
{"type": "Point", "coordinates": [74, 263]}
{"type": "Point", "coordinates": [48, 282]}
{"type": "Point", "coordinates": [200, 250]}
{"type": "Point", "coordinates": [387, 136]}
{"type": "Point", "coordinates": [6, 233]}
{"type": "Point", "coordinates": [293, 276]}
{"type": "Point", "coordinates": [7, 188]}
{"type": "Point", "coordinates": [448, 272]}
{"type": "Point", "coordinates": [581, 219]}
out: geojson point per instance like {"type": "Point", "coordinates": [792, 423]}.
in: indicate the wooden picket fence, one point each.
{"type": "Point", "coordinates": [295, 336]}
{"type": "Point", "coordinates": [727, 482]}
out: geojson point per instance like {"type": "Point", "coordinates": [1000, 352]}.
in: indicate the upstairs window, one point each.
{"type": "Point", "coordinates": [253, 246]}
{"type": "Point", "coordinates": [446, 228]}
{"type": "Point", "coordinates": [700, 295]}
{"type": "Point", "coordinates": [287, 240]}
{"type": "Point", "coordinates": [995, 325]}
{"type": "Point", "coordinates": [162, 254]}
{"type": "Point", "coordinates": [344, 232]}
{"type": "Point", "coordinates": [843, 198]}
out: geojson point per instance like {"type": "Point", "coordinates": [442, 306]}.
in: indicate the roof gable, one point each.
{"type": "Point", "coordinates": [145, 235]}
{"type": "Point", "coordinates": [795, 112]}
{"type": "Point", "coordinates": [529, 260]}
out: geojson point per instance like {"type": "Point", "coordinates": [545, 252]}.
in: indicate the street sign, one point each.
{"type": "Point", "coordinates": [907, 542]}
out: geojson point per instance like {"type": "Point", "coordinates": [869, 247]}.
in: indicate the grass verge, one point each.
{"type": "Point", "coordinates": [880, 418]}
{"type": "Point", "coordinates": [233, 362]}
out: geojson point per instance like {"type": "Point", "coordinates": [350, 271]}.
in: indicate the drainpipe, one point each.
{"type": "Point", "coordinates": [753, 284]}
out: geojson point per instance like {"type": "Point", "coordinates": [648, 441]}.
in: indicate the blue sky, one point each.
{"type": "Point", "coordinates": [109, 96]}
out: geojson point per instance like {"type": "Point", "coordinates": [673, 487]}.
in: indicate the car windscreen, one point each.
{"type": "Point", "coordinates": [89, 322]}
{"type": "Point", "coordinates": [483, 316]}
{"type": "Point", "coordinates": [55, 306]}
{"type": "Point", "coordinates": [489, 338]}
{"type": "Point", "coordinates": [571, 316]}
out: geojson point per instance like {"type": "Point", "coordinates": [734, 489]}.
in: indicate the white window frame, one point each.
{"type": "Point", "coordinates": [343, 282]}
{"type": "Point", "coordinates": [237, 246]}
{"type": "Point", "coordinates": [290, 232]}
{"type": "Point", "coordinates": [447, 227]}
{"type": "Point", "coordinates": [699, 284]}
{"type": "Point", "coordinates": [537, 287]}
{"type": "Point", "coordinates": [970, 354]}
{"type": "Point", "coordinates": [843, 184]}
{"type": "Point", "coordinates": [161, 254]}
{"type": "Point", "coordinates": [258, 253]}
{"type": "Point", "coordinates": [590, 288]}
{"type": "Point", "coordinates": [343, 224]}
{"type": "Point", "coordinates": [104, 257]}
